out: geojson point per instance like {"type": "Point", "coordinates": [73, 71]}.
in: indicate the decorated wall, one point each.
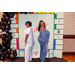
{"type": "Point", "coordinates": [69, 22]}
{"type": "Point", "coordinates": [54, 23]}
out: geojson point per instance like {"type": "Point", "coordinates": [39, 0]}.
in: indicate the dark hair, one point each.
{"type": "Point", "coordinates": [40, 26]}
{"type": "Point", "coordinates": [29, 23]}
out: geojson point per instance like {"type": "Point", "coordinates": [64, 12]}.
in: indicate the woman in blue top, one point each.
{"type": "Point", "coordinates": [43, 39]}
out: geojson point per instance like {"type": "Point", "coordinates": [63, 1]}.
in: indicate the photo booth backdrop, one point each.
{"type": "Point", "coordinates": [53, 22]}
{"type": "Point", "coordinates": [35, 18]}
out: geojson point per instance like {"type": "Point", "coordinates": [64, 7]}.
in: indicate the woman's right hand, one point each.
{"type": "Point", "coordinates": [25, 43]}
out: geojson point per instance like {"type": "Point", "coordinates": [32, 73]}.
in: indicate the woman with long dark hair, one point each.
{"type": "Point", "coordinates": [43, 39]}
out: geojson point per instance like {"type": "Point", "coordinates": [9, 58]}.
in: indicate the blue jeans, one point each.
{"type": "Point", "coordinates": [43, 51]}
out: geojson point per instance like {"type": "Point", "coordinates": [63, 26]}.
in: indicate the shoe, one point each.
{"type": "Point", "coordinates": [41, 60]}
{"type": "Point", "coordinates": [30, 61]}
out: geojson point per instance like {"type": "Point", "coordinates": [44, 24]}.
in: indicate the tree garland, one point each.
{"type": "Point", "coordinates": [5, 50]}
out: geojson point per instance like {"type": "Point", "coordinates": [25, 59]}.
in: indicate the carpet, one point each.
{"type": "Point", "coordinates": [54, 59]}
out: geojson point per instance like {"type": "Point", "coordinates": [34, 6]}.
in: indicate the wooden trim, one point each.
{"type": "Point", "coordinates": [68, 53]}
{"type": "Point", "coordinates": [64, 36]}
{"type": "Point", "coordinates": [68, 36]}
{"type": "Point", "coordinates": [0, 35]}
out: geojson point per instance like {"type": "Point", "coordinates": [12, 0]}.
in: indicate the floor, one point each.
{"type": "Point", "coordinates": [69, 58]}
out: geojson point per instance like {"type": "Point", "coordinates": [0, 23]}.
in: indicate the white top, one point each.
{"type": "Point", "coordinates": [30, 39]}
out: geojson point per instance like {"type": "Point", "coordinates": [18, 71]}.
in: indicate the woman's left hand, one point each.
{"type": "Point", "coordinates": [47, 42]}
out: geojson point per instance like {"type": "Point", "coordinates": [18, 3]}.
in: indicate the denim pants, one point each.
{"type": "Point", "coordinates": [43, 51]}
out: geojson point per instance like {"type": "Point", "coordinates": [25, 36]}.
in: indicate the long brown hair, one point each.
{"type": "Point", "coordinates": [40, 26]}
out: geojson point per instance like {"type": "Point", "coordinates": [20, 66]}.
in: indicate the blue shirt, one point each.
{"type": "Point", "coordinates": [44, 36]}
